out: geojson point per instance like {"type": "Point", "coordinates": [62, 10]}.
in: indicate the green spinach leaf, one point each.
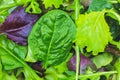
{"type": "Point", "coordinates": [51, 38]}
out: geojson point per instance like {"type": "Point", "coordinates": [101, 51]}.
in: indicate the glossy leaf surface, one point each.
{"type": "Point", "coordinates": [51, 38]}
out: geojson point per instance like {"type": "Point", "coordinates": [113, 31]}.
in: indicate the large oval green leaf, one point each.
{"type": "Point", "coordinates": [51, 38]}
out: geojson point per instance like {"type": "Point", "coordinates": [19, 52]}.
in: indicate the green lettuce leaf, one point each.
{"type": "Point", "coordinates": [93, 32]}
{"type": "Point", "coordinates": [102, 59]}
{"type": "Point", "coordinates": [51, 38]}
{"type": "Point", "coordinates": [50, 3]}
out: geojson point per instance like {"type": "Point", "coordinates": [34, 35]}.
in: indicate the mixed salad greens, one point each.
{"type": "Point", "coordinates": [59, 39]}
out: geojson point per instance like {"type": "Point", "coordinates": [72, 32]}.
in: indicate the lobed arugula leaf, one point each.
{"type": "Point", "coordinates": [51, 38]}
{"type": "Point", "coordinates": [18, 50]}
{"type": "Point", "coordinates": [12, 61]}
{"type": "Point", "coordinates": [92, 32]}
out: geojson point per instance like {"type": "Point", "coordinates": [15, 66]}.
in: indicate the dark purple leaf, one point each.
{"type": "Point", "coordinates": [18, 25]}
{"type": "Point", "coordinates": [84, 63]}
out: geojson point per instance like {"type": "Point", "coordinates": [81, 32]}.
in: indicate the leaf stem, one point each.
{"type": "Point", "coordinates": [77, 61]}
{"type": "Point", "coordinates": [76, 2]}
{"type": "Point", "coordinates": [97, 74]}
{"type": "Point", "coordinates": [113, 1]}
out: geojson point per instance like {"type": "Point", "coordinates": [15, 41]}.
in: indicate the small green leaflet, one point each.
{"type": "Point", "coordinates": [92, 32]}
{"type": "Point", "coordinates": [98, 5]}
{"type": "Point", "coordinates": [33, 8]}
{"type": "Point", "coordinates": [102, 59]}
{"type": "Point", "coordinates": [50, 3]}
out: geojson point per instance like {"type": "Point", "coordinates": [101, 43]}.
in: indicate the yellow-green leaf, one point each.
{"type": "Point", "coordinates": [50, 3]}
{"type": "Point", "coordinates": [92, 32]}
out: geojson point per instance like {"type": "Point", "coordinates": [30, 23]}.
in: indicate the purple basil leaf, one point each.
{"type": "Point", "coordinates": [18, 25]}
{"type": "Point", "coordinates": [84, 63]}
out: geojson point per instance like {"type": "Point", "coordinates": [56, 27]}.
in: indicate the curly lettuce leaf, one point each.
{"type": "Point", "coordinates": [50, 3]}
{"type": "Point", "coordinates": [93, 32]}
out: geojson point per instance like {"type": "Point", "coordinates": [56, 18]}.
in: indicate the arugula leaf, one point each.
{"type": "Point", "coordinates": [4, 75]}
{"type": "Point", "coordinates": [92, 32]}
{"type": "Point", "coordinates": [49, 3]}
{"type": "Point", "coordinates": [51, 38]}
{"type": "Point", "coordinates": [18, 50]}
{"type": "Point", "coordinates": [11, 61]}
